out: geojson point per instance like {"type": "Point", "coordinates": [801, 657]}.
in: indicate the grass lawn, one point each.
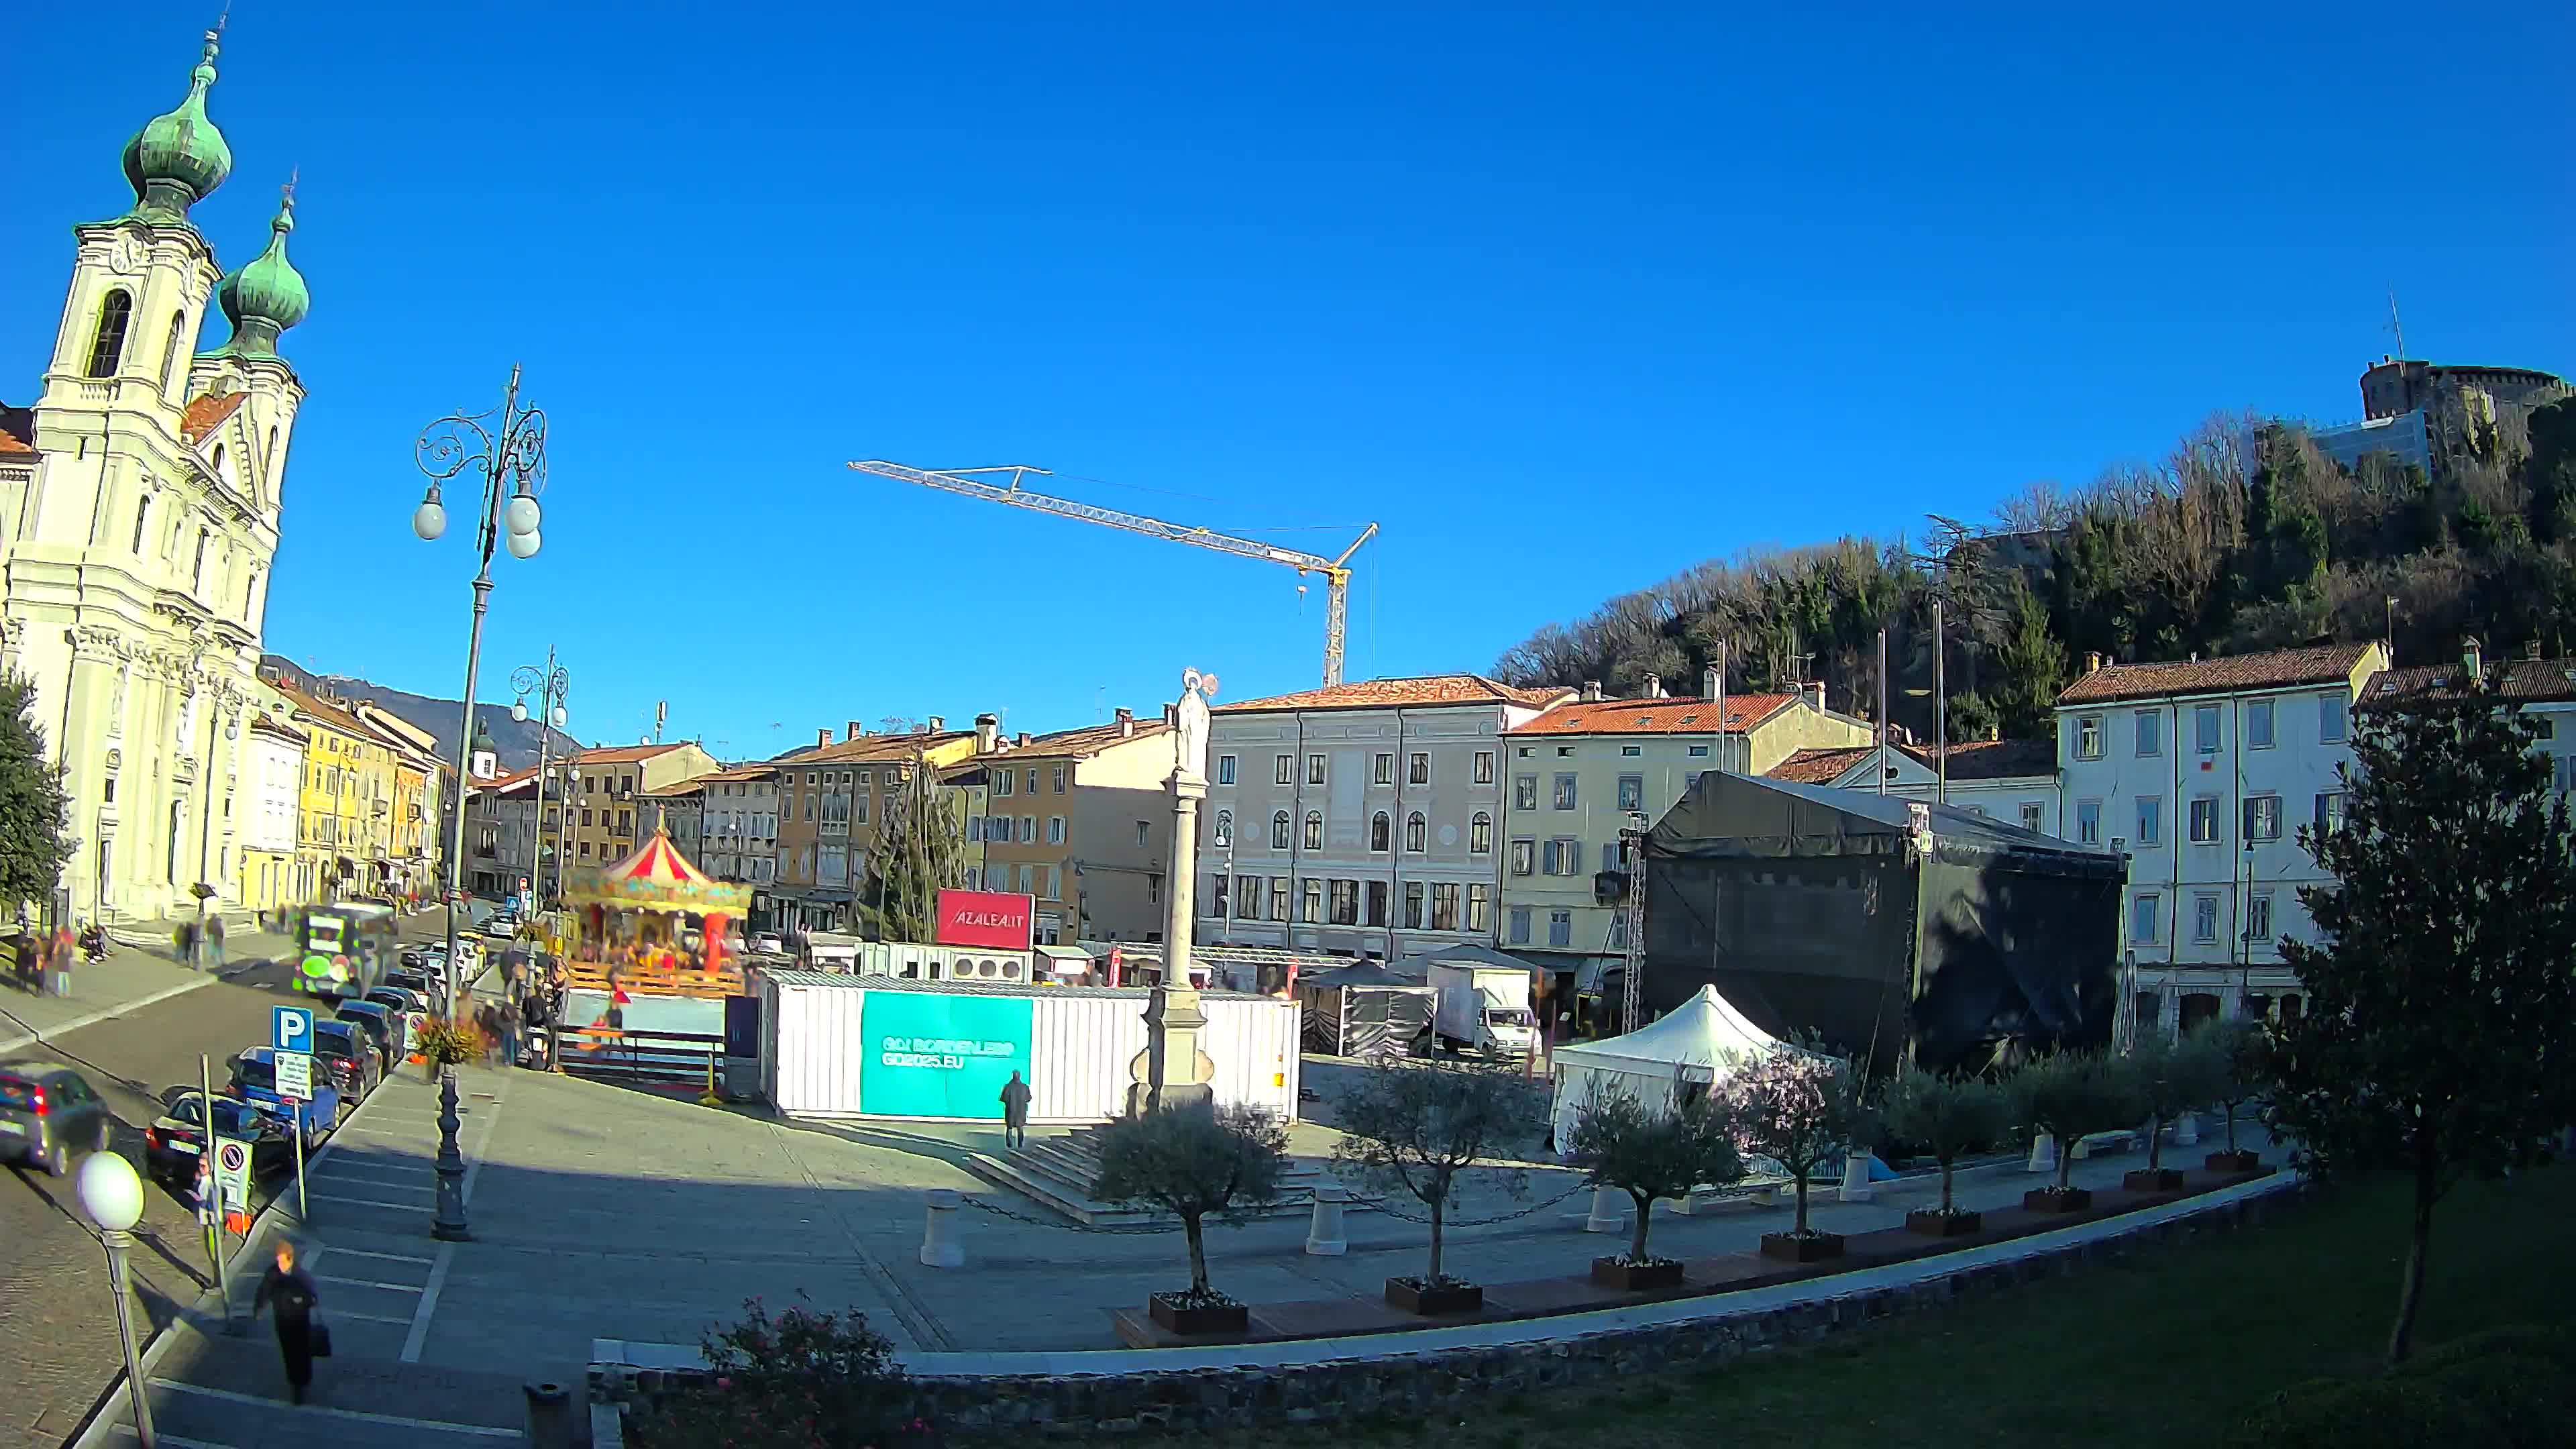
{"type": "Point", "coordinates": [2168, 1349]}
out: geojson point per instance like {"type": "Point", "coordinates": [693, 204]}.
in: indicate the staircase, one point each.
{"type": "Point", "coordinates": [1057, 1173]}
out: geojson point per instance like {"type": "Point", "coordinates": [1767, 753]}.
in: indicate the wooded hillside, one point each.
{"type": "Point", "coordinates": [2246, 537]}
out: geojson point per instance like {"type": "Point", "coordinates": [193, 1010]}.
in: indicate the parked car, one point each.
{"type": "Point", "coordinates": [417, 981]}
{"type": "Point", "coordinates": [47, 1113]}
{"type": "Point", "coordinates": [255, 1082]}
{"type": "Point", "coordinates": [345, 1050]}
{"type": "Point", "coordinates": [383, 1026]}
{"type": "Point", "coordinates": [173, 1144]}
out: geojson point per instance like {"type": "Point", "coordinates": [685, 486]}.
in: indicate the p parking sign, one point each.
{"type": "Point", "coordinates": [290, 1029]}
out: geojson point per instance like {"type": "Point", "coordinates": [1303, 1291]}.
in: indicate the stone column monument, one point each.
{"type": "Point", "coordinates": [1172, 1071]}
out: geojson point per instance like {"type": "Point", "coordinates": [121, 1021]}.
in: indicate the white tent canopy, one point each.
{"type": "Point", "coordinates": [1696, 1042]}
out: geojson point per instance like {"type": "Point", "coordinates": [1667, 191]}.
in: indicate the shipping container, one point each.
{"type": "Point", "coordinates": [873, 1046]}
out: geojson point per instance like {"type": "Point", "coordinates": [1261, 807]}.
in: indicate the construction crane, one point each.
{"type": "Point", "coordinates": [1337, 575]}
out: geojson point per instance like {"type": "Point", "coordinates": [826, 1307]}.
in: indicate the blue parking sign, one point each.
{"type": "Point", "coordinates": [291, 1028]}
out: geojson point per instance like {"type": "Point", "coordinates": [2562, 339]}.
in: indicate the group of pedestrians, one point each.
{"type": "Point", "coordinates": [201, 947]}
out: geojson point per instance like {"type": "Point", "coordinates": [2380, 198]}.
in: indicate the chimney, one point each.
{"type": "Point", "coordinates": [988, 732]}
{"type": "Point", "coordinates": [2531, 649]}
{"type": "Point", "coordinates": [938, 724]}
{"type": "Point", "coordinates": [1709, 683]}
{"type": "Point", "coordinates": [1126, 724]}
{"type": "Point", "coordinates": [1591, 691]}
{"type": "Point", "coordinates": [1815, 693]}
{"type": "Point", "coordinates": [1023, 740]}
{"type": "Point", "coordinates": [1653, 687]}
{"type": "Point", "coordinates": [2092, 661]}
{"type": "Point", "coordinates": [1994, 733]}
{"type": "Point", "coordinates": [2473, 659]}
{"type": "Point", "coordinates": [853, 731]}
{"type": "Point", "coordinates": [823, 736]}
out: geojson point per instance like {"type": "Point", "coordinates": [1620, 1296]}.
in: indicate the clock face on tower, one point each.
{"type": "Point", "coordinates": [128, 254]}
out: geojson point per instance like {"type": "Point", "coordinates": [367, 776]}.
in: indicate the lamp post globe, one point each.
{"type": "Point", "coordinates": [518, 711]}
{"type": "Point", "coordinates": [110, 1193]}
{"type": "Point", "coordinates": [520, 513]}
{"type": "Point", "coordinates": [559, 717]}
{"type": "Point", "coordinates": [429, 520]}
{"type": "Point", "coordinates": [523, 545]}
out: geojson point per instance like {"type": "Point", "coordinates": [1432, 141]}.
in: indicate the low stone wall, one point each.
{"type": "Point", "coordinates": [1381, 1374]}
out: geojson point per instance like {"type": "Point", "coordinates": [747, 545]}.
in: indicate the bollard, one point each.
{"type": "Point", "coordinates": [939, 1245]}
{"type": "Point", "coordinates": [2043, 1153]}
{"type": "Point", "coordinates": [1324, 1237]}
{"type": "Point", "coordinates": [1856, 1175]}
{"type": "Point", "coordinates": [549, 1416]}
{"type": "Point", "coordinates": [2186, 1129]}
{"type": "Point", "coordinates": [1606, 1216]}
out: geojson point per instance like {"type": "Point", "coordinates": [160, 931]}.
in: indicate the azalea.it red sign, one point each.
{"type": "Point", "coordinates": [1001, 920]}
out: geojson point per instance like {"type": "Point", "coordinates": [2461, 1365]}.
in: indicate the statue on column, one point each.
{"type": "Point", "coordinates": [1172, 1070]}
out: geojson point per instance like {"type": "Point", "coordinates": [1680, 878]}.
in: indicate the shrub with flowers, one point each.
{"type": "Point", "coordinates": [1797, 1107]}
{"type": "Point", "coordinates": [799, 1380]}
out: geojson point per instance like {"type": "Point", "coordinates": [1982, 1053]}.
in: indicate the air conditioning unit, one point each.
{"type": "Point", "coordinates": [988, 968]}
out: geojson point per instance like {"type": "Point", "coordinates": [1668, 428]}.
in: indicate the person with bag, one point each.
{"type": "Point", "coordinates": [301, 1335]}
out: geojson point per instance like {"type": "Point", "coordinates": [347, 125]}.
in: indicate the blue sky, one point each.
{"type": "Point", "coordinates": [1564, 301]}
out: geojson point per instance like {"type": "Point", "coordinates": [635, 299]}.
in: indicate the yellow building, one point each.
{"type": "Point", "coordinates": [345, 814]}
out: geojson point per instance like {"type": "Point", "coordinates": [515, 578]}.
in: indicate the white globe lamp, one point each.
{"type": "Point", "coordinates": [110, 1192]}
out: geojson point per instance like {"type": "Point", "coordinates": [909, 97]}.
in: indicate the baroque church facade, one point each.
{"type": "Point", "coordinates": [141, 495]}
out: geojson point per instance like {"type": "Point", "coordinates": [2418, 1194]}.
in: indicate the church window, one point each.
{"type": "Point", "coordinates": [268, 460]}
{"type": "Point", "coordinates": [107, 346]}
{"type": "Point", "coordinates": [142, 517]}
{"type": "Point", "coordinates": [170, 353]}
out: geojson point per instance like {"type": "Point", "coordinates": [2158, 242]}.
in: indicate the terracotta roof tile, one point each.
{"type": "Point", "coordinates": [205, 413]}
{"type": "Point", "coordinates": [17, 429]}
{"type": "Point", "coordinates": [1080, 743]}
{"type": "Point", "coordinates": [1427, 689]}
{"type": "Point", "coordinates": [2277, 669]}
{"type": "Point", "coordinates": [1819, 767]}
{"type": "Point", "coordinates": [1671, 715]}
{"type": "Point", "coordinates": [2525, 680]}
{"type": "Point", "coordinates": [622, 754]}
{"type": "Point", "coordinates": [871, 747]}
{"type": "Point", "coordinates": [1990, 759]}
{"type": "Point", "coordinates": [330, 714]}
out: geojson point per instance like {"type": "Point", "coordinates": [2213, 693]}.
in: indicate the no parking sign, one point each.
{"type": "Point", "coordinates": [232, 1174]}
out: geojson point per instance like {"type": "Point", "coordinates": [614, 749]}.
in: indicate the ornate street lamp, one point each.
{"type": "Point", "coordinates": [549, 685]}
{"type": "Point", "coordinates": [112, 1196]}
{"type": "Point", "coordinates": [508, 450]}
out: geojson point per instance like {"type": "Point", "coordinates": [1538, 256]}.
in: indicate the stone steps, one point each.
{"type": "Point", "coordinates": [1058, 1172]}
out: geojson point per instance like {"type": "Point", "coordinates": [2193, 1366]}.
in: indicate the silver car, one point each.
{"type": "Point", "coordinates": [47, 1113]}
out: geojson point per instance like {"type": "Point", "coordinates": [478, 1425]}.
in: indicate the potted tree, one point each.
{"type": "Point", "coordinates": [1413, 1129]}
{"type": "Point", "coordinates": [2069, 1096]}
{"type": "Point", "coordinates": [2175, 1074]}
{"type": "Point", "coordinates": [1194, 1163]}
{"type": "Point", "coordinates": [1946, 1117]}
{"type": "Point", "coordinates": [1648, 1153]}
{"type": "Point", "coordinates": [2241, 1070]}
{"type": "Point", "coordinates": [1797, 1107]}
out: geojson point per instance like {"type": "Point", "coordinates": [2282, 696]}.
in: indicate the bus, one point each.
{"type": "Point", "coordinates": [343, 949]}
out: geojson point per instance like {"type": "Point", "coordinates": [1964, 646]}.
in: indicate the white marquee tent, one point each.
{"type": "Point", "coordinates": [1694, 1044]}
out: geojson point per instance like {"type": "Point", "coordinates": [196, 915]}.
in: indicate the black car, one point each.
{"type": "Point", "coordinates": [346, 1051]}
{"type": "Point", "coordinates": [382, 1027]}
{"type": "Point", "coordinates": [172, 1144]}
{"type": "Point", "coordinates": [410, 981]}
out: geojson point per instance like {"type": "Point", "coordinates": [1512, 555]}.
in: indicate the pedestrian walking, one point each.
{"type": "Point", "coordinates": [507, 1018]}
{"type": "Point", "coordinates": [59, 950]}
{"type": "Point", "coordinates": [1015, 1112]}
{"type": "Point", "coordinates": [288, 1291]}
{"type": "Point", "coordinates": [215, 942]}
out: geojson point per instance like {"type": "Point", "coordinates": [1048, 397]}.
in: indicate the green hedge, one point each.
{"type": "Point", "coordinates": [2504, 1388]}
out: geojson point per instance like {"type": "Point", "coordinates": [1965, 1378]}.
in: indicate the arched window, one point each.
{"type": "Point", "coordinates": [219, 464]}
{"type": "Point", "coordinates": [1279, 831]}
{"type": "Point", "coordinates": [1415, 831]}
{"type": "Point", "coordinates": [268, 460]}
{"type": "Point", "coordinates": [1379, 830]}
{"type": "Point", "coordinates": [107, 345]}
{"type": "Point", "coordinates": [178, 836]}
{"type": "Point", "coordinates": [1480, 834]}
{"type": "Point", "coordinates": [197, 574]}
{"type": "Point", "coordinates": [170, 353]}
{"type": "Point", "coordinates": [142, 517]}
{"type": "Point", "coordinates": [1314, 830]}
{"type": "Point", "coordinates": [1225, 827]}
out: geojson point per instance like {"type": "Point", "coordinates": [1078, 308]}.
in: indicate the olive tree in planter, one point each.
{"type": "Point", "coordinates": [1195, 1163]}
{"type": "Point", "coordinates": [2070, 1096]}
{"type": "Point", "coordinates": [1412, 1129]}
{"type": "Point", "coordinates": [2240, 1065]}
{"type": "Point", "coordinates": [1797, 1107]}
{"type": "Point", "coordinates": [1650, 1152]}
{"type": "Point", "coordinates": [2175, 1074]}
{"type": "Point", "coordinates": [1947, 1117]}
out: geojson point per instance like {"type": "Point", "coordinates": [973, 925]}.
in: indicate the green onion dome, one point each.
{"type": "Point", "coordinates": [178, 158]}
{"type": "Point", "coordinates": [267, 296]}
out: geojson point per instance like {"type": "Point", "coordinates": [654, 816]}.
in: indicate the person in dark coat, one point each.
{"type": "Point", "coordinates": [288, 1290]}
{"type": "Point", "coordinates": [1015, 1112]}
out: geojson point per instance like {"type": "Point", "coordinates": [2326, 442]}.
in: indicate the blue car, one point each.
{"type": "Point", "coordinates": [255, 1082]}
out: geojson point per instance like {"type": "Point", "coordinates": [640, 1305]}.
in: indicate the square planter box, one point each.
{"type": "Point", "coordinates": [1790, 1248]}
{"type": "Point", "coordinates": [1933, 1223]}
{"type": "Point", "coordinates": [1447, 1298]}
{"type": "Point", "coordinates": [2239, 1161]}
{"type": "Point", "coordinates": [2050, 1200]}
{"type": "Point", "coordinates": [1636, 1277]}
{"type": "Point", "coordinates": [1210, 1318]}
{"type": "Point", "coordinates": [2152, 1179]}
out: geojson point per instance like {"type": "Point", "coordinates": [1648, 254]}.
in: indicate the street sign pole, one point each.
{"type": "Point", "coordinates": [303, 1213]}
{"type": "Point", "coordinates": [217, 1239]}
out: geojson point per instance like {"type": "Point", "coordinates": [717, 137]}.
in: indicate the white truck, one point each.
{"type": "Point", "coordinates": [1484, 1009]}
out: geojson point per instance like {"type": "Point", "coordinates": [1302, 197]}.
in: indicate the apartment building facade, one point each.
{"type": "Point", "coordinates": [738, 830]}
{"type": "Point", "coordinates": [1080, 820]}
{"type": "Point", "coordinates": [1360, 819]}
{"type": "Point", "coordinates": [831, 800]}
{"type": "Point", "coordinates": [1575, 773]}
{"type": "Point", "coordinates": [610, 814]}
{"type": "Point", "coordinates": [2013, 781]}
{"type": "Point", "coordinates": [274, 763]}
{"type": "Point", "coordinates": [2202, 771]}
